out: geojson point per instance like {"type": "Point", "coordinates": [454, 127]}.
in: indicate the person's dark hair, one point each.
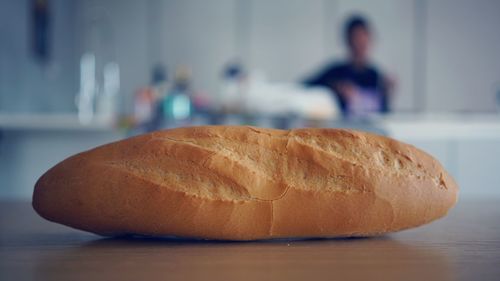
{"type": "Point", "coordinates": [351, 24]}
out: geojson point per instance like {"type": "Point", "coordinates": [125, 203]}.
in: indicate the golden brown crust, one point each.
{"type": "Point", "coordinates": [243, 183]}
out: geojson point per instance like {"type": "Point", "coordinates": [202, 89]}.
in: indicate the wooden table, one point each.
{"type": "Point", "coordinates": [463, 246]}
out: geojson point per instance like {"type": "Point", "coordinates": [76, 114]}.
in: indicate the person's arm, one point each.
{"type": "Point", "coordinates": [388, 83]}
{"type": "Point", "coordinates": [345, 89]}
{"type": "Point", "coordinates": [322, 78]}
{"type": "Point", "coordinates": [331, 78]}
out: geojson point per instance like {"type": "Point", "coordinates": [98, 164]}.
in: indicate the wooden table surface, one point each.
{"type": "Point", "coordinates": [463, 246]}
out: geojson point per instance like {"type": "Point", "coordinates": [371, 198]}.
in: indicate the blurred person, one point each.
{"type": "Point", "coordinates": [359, 86]}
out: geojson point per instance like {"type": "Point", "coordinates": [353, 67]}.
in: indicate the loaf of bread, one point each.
{"type": "Point", "coordinates": [246, 183]}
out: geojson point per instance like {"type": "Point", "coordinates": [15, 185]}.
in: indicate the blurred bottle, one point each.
{"type": "Point", "coordinates": [148, 111]}
{"type": "Point", "coordinates": [159, 81]}
{"type": "Point", "coordinates": [231, 98]}
{"type": "Point", "coordinates": [143, 106]}
{"type": "Point", "coordinates": [177, 104]}
{"type": "Point", "coordinates": [107, 103]}
{"type": "Point", "coordinates": [88, 88]}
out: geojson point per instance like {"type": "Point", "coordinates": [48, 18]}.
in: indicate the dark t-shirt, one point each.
{"type": "Point", "coordinates": [368, 79]}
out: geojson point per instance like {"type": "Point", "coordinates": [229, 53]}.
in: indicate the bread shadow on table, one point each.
{"type": "Point", "coordinates": [345, 258]}
{"type": "Point", "coordinates": [171, 240]}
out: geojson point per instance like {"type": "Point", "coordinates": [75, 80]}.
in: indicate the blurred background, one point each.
{"type": "Point", "coordinates": [76, 74]}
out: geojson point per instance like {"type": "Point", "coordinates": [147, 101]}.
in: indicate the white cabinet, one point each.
{"type": "Point", "coordinates": [26, 154]}
{"type": "Point", "coordinates": [478, 167]}
{"type": "Point", "coordinates": [468, 147]}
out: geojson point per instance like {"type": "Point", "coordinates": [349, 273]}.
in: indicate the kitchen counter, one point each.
{"type": "Point", "coordinates": [463, 246]}
{"type": "Point", "coordinates": [61, 122]}
{"type": "Point", "coordinates": [468, 145]}
{"type": "Point", "coordinates": [428, 126]}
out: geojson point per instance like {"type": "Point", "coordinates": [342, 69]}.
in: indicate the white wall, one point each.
{"type": "Point", "coordinates": [117, 30]}
{"type": "Point", "coordinates": [25, 84]}
{"type": "Point", "coordinates": [198, 34]}
{"type": "Point", "coordinates": [462, 62]}
{"type": "Point", "coordinates": [287, 37]}
{"type": "Point", "coordinates": [444, 53]}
